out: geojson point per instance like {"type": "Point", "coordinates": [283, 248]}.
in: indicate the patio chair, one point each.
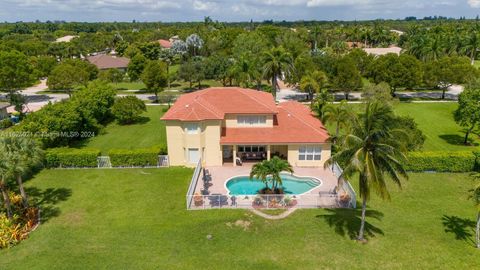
{"type": "Point", "coordinates": [238, 161]}
{"type": "Point", "coordinates": [234, 201]}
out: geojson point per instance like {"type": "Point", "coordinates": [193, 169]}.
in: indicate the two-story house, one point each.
{"type": "Point", "coordinates": [222, 124]}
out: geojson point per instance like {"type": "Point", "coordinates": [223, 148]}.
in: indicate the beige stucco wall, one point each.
{"type": "Point", "coordinates": [293, 156]}
{"type": "Point", "coordinates": [207, 141]}
{"type": "Point", "coordinates": [231, 121]}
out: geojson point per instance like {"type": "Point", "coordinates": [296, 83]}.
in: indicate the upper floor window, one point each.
{"type": "Point", "coordinates": [310, 152]}
{"type": "Point", "coordinates": [192, 128]}
{"type": "Point", "coordinates": [251, 120]}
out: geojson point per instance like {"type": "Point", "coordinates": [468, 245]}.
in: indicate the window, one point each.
{"type": "Point", "coordinates": [191, 128]}
{"type": "Point", "coordinates": [193, 155]}
{"type": "Point", "coordinates": [310, 152]}
{"type": "Point", "coordinates": [251, 148]}
{"type": "Point", "coordinates": [251, 120]}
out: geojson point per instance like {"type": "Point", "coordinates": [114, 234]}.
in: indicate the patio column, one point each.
{"type": "Point", "coordinates": [268, 152]}
{"type": "Point", "coordinates": [234, 155]}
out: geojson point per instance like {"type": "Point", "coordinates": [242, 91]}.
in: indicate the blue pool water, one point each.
{"type": "Point", "coordinates": [243, 185]}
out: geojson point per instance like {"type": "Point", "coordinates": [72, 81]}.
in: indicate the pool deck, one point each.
{"type": "Point", "coordinates": [220, 175]}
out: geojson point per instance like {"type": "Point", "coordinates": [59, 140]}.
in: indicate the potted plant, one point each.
{"type": "Point", "coordinates": [198, 199]}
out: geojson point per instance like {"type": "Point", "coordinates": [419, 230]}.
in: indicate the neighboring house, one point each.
{"type": "Point", "coordinates": [383, 51]}
{"type": "Point", "coordinates": [3, 110]}
{"type": "Point", "coordinates": [218, 124]}
{"type": "Point", "coordinates": [166, 44]}
{"type": "Point", "coordinates": [105, 61]}
{"type": "Point", "coordinates": [65, 39]}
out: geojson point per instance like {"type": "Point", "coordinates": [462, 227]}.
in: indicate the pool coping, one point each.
{"type": "Point", "coordinates": [316, 178]}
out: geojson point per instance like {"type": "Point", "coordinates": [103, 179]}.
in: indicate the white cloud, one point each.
{"type": "Point", "coordinates": [474, 3]}
{"type": "Point", "coordinates": [204, 5]}
{"type": "Point", "coordinates": [320, 3]}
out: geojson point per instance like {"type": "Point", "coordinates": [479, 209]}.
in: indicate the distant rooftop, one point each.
{"type": "Point", "coordinates": [65, 38]}
{"type": "Point", "coordinates": [105, 61]}
{"type": "Point", "coordinates": [165, 43]}
{"type": "Point", "coordinates": [383, 51]}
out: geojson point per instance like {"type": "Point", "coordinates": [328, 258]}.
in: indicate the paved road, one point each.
{"type": "Point", "coordinates": [288, 94]}
{"type": "Point", "coordinates": [36, 100]}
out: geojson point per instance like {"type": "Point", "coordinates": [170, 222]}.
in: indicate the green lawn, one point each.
{"type": "Point", "coordinates": [150, 131]}
{"type": "Point", "coordinates": [436, 122]}
{"type": "Point", "coordinates": [176, 85]}
{"type": "Point", "coordinates": [136, 219]}
{"type": "Point", "coordinates": [477, 63]}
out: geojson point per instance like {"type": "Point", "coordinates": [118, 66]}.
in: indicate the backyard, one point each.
{"type": "Point", "coordinates": [136, 219]}
{"type": "Point", "coordinates": [149, 132]}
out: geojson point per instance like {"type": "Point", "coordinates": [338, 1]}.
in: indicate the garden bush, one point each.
{"type": "Point", "coordinates": [135, 157]}
{"type": "Point", "coordinates": [441, 161]}
{"type": "Point", "coordinates": [5, 123]}
{"type": "Point", "coordinates": [70, 157]}
{"type": "Point", "coordinates": [128, 109]}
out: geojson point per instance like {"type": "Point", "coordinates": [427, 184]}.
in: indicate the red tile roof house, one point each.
{"type": "Point", "coordinates": [208, 128]}
{"type": "Point", "coordinates": [105, 61]}
{"type": "Point", "coordinates": [166, 44]}
{"type": "Point", "coordinates": [218, 124]}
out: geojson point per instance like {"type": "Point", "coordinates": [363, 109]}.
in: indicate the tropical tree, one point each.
{"type": "Point", "coordinates": [346, 76]}
{"type": "Point", "coordinates": [16, 71]}
{"type": "Point", "coordinates": [155, 77]}
{"type": "Point", "coordinates": [472, 44]}
{"type": "Point", "coordinates": [309, 86]}
{"type": "Point", "coordinates": [269, 171]}
{"type": "Point", "coordinates": [23, 154]}
{"type": "Point", "coordinates": [340, 114]}
{"type": "Point", "coordinates": [194, 43]}
{"type": "Point", "coordinates": [322, 100]}
{"type": "Point", "coordinates": [371, 151]}
{"type": "Point", "coordinates": [276, 63]}
{"type": "Point", "coordinates": [3, 180]}
{"type": "Point", "coordinates": [468, 112]}
{"type": "Point", "coordinates": [475, 196]}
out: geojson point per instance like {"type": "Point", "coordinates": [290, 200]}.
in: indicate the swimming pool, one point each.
{"type": "Point", "coordinates": [243, 185]}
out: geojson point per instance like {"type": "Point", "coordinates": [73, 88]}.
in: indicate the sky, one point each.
{"type": "Point", "coordinates": [230, 10]}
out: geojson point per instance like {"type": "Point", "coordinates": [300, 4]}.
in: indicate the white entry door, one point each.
{"type": "Point", "coordinates": [193, 155]}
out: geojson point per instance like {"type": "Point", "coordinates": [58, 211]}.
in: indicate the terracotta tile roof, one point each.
{"type": "Point", "coordinates": [104, 61]}
{"type": "Point", "coordinates": [215, 102]}
{"type": "Point", "coordinates": [165, 43]}
{"type": "Point", "coordinates": [294, 123]}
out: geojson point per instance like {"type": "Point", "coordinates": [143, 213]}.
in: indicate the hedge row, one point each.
{"type": "Point", "coordinates": [443, 161]}
{"type": "Point", "coordinates": [135, 157]}
{"type": "Point", "coordinates": [70, 157]}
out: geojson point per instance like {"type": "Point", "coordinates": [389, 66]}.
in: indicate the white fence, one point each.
{"type": "Point", "coordinates": [198, 202]}
{"type": "Point", "coordinates": [193, 183]}
{"type": "Point", "coordinates": [345, 186]}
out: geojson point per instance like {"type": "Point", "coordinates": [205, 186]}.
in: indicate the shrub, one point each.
{"type": "Point", "coordinates": [441, 161]}
{"type": "Point", "coordinates": [128, 109]}
{"type": "Point", "coordinates": [5, 123]}
{"type": "Point", "coordinates": [68, 157]}
{"type": "Point", "coordinates": [135, 157]}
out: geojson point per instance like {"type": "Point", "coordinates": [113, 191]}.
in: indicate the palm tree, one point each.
{"type": "Point", "coordinates": [372, 152]}
{"type": "Point", "coordinates": [320, 102]}
{"type": "Point", "coordinates": [269, 170]}
{"type": "Point", "coordinates": [261, 172]}
{"type": "Point", "coordinates": [3, 184]}
{"type": "Point", "coordinates": [276, 62]}
{"type": "Point", "coordinates": [278, 165]}
{"type": "Point", "coordinates": [471, 46]}
{"type": "Point", "coordinates": [310, 86]}
{"type": "Point", "coordinates": [23, 154]}
{"type": "Point", "coordinates": [475, 196]}
{"type": "Point", "coordinates": [339, 114]}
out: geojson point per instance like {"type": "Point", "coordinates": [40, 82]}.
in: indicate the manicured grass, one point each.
{"type": "Point", "coordinates": [437, 123]}
{"type": "Point", "coordinates": [148, 132]}
{"type": "Point", "coordinates": [176, 85]}
{"type": "Point", "coordinates": [136, 219]}
{"type": "Point", "coordinates": [128, 86]}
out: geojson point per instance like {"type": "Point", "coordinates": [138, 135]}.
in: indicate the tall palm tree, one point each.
{"type": "Point", "coordinates": [340, 114]}
{"type": "Point", "coordinates": [371, 151]}
{"type": "Point", "coordinates": [276, 63]}
{"type": "Point", "coordinates": [23, 153]}
{"type": "Point", "coordinates": [475, 196]}
{"type": "Point", "coordinates": [471, 46]}
{"type": "Point", "coordinates": [3, 184]}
